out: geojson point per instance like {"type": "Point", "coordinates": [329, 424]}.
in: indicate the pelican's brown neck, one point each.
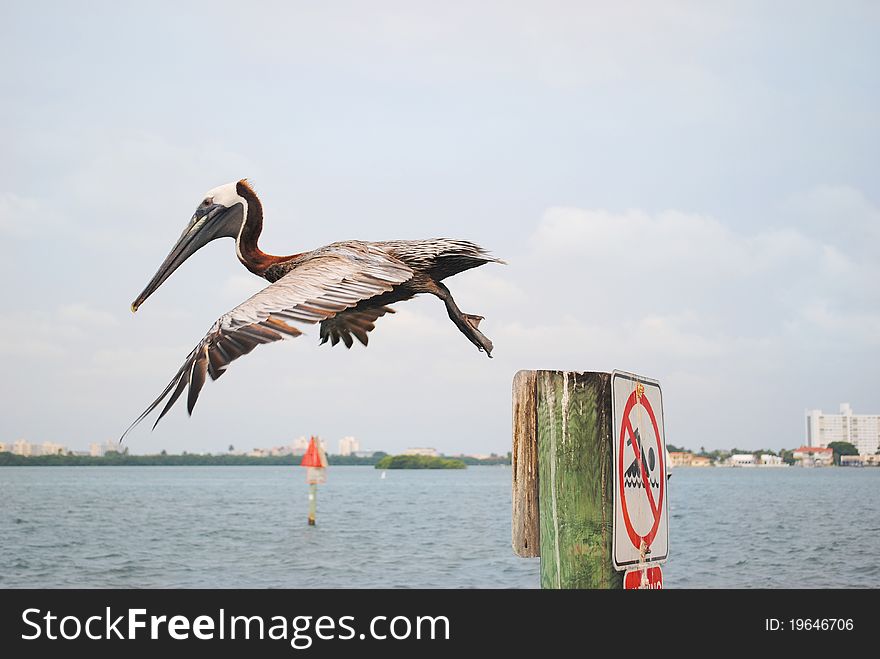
{"type": "Point", "coordinates": [253, 258]}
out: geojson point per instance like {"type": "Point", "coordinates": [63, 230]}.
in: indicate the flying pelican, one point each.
{"type": "Point", "coordinates": [344, 286]}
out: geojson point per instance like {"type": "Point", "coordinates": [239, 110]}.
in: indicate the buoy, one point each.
{"type": "Point", "coordinates": [315, 462]}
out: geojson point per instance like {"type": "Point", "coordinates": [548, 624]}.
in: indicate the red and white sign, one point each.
{"type": "Point", "coordinates": [650, 578]}
{"type": "Point", "coordinates": [641, 519]}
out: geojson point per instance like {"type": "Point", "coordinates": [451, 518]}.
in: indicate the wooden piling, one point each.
{"type": "Point", "coordinates": [562, 448]}
{"type": "Point", "coordinates": [525, 531]}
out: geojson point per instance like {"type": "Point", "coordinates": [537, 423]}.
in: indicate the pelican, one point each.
{"type": "Point", "coordinates": [345, 286]}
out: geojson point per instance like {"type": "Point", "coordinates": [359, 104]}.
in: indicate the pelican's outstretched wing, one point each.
{"type": "Point", "coordinates": [321, 285]}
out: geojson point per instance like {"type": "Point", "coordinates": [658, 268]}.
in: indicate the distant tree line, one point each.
{"type": "Point", "coordinates": [163, 459]}
{"type": "Point", "coordinates": [419, 462]}
{"type": "Point", "coordinates": [491, 460]}
{"type": "Point", "coordinates": [354, 459]}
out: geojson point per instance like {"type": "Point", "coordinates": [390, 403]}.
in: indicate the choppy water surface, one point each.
{"type": "Point", "coordinates": [246, 527]}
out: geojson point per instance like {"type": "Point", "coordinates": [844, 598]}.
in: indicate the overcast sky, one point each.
{"type": "Point", "coordinates": [684, 190]}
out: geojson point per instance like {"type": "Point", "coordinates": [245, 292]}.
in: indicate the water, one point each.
{"type": "Point", "coordinates": [774, 528]}
{"type": "Point", "coordinates": [237, 527]}
{"type": "Point", "coordinates": [228, 527]}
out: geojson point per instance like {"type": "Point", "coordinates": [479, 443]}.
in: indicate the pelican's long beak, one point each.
{"type": "Point", "coordinates": [215, 221]}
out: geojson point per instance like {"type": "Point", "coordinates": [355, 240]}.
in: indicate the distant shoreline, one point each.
{"type": "Point", "coordinates": [198, 460]}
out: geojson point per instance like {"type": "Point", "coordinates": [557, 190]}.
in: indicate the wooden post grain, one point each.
{"type": "Point", "coordinates": [525, 528]}
{"type": "Point", "coordinates": [575, 504]}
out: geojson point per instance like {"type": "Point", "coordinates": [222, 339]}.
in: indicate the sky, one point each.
{"type": "Point", "coordinates": [684, 190]}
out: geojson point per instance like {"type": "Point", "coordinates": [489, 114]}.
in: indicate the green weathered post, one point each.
{"type": "Point", "coordinates": [563, 500]}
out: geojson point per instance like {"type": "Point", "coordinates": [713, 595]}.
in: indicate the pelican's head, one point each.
{"type": "Point", "coordinates": [220, 214]}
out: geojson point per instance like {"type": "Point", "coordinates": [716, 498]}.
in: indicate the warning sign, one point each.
{"type": "Point", "coordinates": [647, 578]}
{"type": "Point", "coordinates": [641, 520]}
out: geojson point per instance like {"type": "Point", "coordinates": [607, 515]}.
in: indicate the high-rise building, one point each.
{"type": "Point", "coordinates": [860, 430]}
{"type": "Point", "coordinates": [349, 445]}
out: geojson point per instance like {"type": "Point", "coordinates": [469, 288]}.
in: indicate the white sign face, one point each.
{"type": "Point", "coordinates": [641, 518]}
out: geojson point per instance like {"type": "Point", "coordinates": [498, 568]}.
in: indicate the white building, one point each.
{"type": "Point", "coordinates": [52, 448]}
{"type": "Point", "coordinates": [97, 450]}
{"type": "Point", "coordinates": [349, 445]}
{"type": "Point", "coordinates": [860, 460]}
{"type": "Point", "coordinates": [22, 447]}
{"type": "Point", "coordinates": [742, 460]}
{"type": "Point", "coordinates": [860, 430]}
{"type": "Point", "coordinates": [430, 452]}
{"type": "Point", "coordinates": [770, 460]}
{"type": "Point", "coordinates": [813, 456]}
{"type": "Point", "coordinates": [300, 445]}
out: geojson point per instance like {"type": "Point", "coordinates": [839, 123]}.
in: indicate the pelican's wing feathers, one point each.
{"type": "Point", "coordinates": [355, 323]}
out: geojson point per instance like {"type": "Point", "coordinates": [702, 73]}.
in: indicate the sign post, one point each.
{"type": "Point", "coordinates": [589, 484]}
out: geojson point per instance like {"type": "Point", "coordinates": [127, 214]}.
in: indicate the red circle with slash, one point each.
{"type": "Point", "coordinates": [626, 430]}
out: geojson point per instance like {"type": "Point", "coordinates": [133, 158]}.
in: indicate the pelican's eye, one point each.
{"type": "Point", "coordinates": [207, 202]}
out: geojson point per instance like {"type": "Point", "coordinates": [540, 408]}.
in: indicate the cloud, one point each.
{"type": "Point", "coordinates": [636, 241]}
{"type": "Point", "coordinates": [667, 244]}
{"type": "Point", "coordinates": [679, 261]}
{"type": "Point", "coordinates": [840, 215]}
{"type": "Point", "coordinates": [715, 313]}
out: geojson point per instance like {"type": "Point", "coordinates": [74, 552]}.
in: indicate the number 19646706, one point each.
{"type": "Point", "coordinates": [809, 624]}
